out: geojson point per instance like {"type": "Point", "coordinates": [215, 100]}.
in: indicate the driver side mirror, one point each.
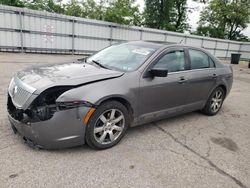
{"type": "Point", "coordinates": [158, 72]}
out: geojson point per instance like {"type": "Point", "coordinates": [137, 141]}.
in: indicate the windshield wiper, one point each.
{"type": "Point", "coordinates": [99, 64]}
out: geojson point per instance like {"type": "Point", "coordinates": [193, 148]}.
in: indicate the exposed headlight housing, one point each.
{"type": "Point", "coordinates": [46, 104]}
{"type": "Point", "coordinates": [73, 104]}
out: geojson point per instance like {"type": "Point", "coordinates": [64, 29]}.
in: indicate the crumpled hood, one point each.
{"type": "Point", "coordinates": [64, 74]}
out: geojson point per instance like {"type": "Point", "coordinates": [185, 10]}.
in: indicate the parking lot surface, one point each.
{"type": "Point", "coordinates": [192, 150]}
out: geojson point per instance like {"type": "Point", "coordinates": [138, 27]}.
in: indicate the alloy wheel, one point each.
{"type": "Point", "coordinates": [216, 101]}
{"type": "Point", "coordinates": [109, 126]}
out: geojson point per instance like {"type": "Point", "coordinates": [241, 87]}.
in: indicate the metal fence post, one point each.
{"type": "Point", "coordinates": [166, 37]}
{"type": "Point", "coordinates": [141, 34]}
{"type": "Point", "coordinates": [240, 48]}
{"type": "Point", "coordinates": [202, 43]}
{"type": "Point", "coordinates": [227, 49]}
{"type": "Point", "coordinates": [111, 34]}
{"type": "Point", "coordinates": [73, 37]}
{"type": "Point", "coordinates": [185, 40]}
{"type": "Point", "coordinates": [21, 30]}
{"type": "Point", "coordinates": [215, 48]}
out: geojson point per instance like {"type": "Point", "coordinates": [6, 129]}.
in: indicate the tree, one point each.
{"type": "Point", "coordinates": [224, 19]}
{"type": "Point", "coordinates": [123, 12]}
{"type": "Point", "coordinates": [46, 5]}
{"type": "Point", "coordinates": [157, 13]}
{"type": "Point", "coordinates": [201, 1]}
{"type": "Point", "coordinates": [86, 9]}
{"type": "Point", "coordinates": [178, 17]}
{"type": "Point", "coordinates": [152, 14]}
{"type": "Point", "coordinates": [166, 14]}
{"type": "Point", "coordinates": [93, 10]}
{"type": "Point", "coordinates": [16, 3]}
{"type": "Point", "coordinates": [73, 9]}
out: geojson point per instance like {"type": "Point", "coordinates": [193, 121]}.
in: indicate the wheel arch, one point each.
{"type": "Point", "coordinates": [120, 99]}
{"type": "Point", "coordinates": [223, 87]}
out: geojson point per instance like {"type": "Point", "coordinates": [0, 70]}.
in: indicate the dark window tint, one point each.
{"type": "Point", "coordinates": [198, 59]}
{"type": "Point", "coordinates": [173, 61]}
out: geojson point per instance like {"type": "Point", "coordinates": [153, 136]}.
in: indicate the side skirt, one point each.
{"type": "Point", "coordinates": [166, 113]}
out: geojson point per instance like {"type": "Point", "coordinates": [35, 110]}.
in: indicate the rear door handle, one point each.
{"type": "Point", "coordinates": [182, 80]}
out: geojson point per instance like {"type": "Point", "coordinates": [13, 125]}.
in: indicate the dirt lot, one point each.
{"type": "Point", "coordinates": [192, 150]}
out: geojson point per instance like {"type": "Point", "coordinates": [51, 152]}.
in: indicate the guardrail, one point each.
{"type": "Point", "coordinates": [24, 30]}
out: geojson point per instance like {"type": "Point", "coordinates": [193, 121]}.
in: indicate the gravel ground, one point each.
{"type": "Point", "coordinates": [191, 150]}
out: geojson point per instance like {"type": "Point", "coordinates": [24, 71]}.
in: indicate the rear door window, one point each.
{"type": "Point", "coordinates": [198, 59]}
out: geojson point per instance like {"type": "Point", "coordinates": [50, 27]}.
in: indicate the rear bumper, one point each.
{"type": "Point", "coordinates": [65, 129]}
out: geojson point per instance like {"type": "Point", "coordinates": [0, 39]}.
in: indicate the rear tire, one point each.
{"type": "Point", "coordinates": [214, 102]}
{"type": "Point", "coordinates": [107, 125]}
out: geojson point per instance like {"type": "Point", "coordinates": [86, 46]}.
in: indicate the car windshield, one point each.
{"type": "Point", "coordinates": [123, 57]}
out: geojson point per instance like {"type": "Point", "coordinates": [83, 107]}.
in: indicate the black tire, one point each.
{"type": "Point", "coordinates": [92, 138]}
{"type": "Point", "coordinates": [208, 109]}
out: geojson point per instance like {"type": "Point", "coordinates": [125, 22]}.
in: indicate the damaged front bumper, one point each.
{"type": "Point", "coordinates": [65, 129]}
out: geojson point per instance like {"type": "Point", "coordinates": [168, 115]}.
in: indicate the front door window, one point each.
{"type": "Point", "coordinates": [173, 61]}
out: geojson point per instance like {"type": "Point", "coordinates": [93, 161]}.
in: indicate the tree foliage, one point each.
{"type": "Point", "coordinates": [166, 14]}
{"type": "Point", "coordinates": [224, 19]}
{"type": "Point", "coordinates": [118, 11]}
{"type": "Point", "coordinates": [157, 13]}
{"type": "Point", "coordinates": [47, 5]}
{"type": "Point", "coordinates": [123, 12]}
{"type": "Point", "coordinates": [16, 3]}
{"type": "Point", "coordinates": [86, 9]}
{"type": "Point", "coordinates": [178, 17]}
{"type": "Point", "coordinates": [73, 9]}
{"type": "Point", "coordinates": [93, 10]}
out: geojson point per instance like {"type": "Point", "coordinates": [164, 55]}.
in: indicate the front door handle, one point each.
{"type": "Point", "coordinates": [182, 80]}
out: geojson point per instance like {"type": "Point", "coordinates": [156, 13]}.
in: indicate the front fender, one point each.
{"type": "Point", "coordinates": [125, 87]}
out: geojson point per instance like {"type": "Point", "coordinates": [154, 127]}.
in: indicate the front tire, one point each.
{"type": "Point", "coordinates": [214, 102]}
{"type": "Point", "coordinates": [107, 125]}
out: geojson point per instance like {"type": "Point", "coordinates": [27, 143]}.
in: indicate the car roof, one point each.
{"type": "Point", "coordinates": [146, 44]}
{"type": "Point", "coordinates": [158, 45]}
{"type": "Point", "coordinates": [164, 45]}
